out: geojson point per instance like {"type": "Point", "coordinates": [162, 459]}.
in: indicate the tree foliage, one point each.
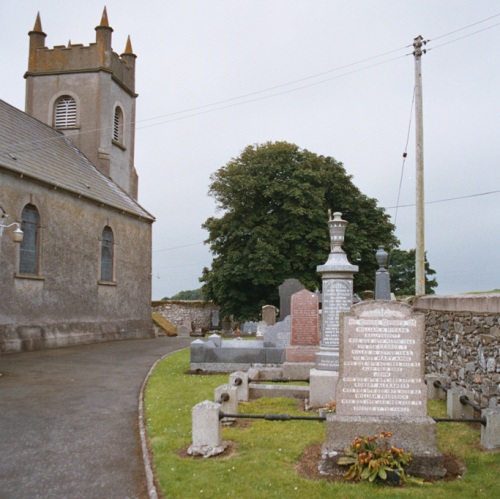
{"type": "Point", "coordinates": [189, 294]}
{"type": "Point", "coordinates": [275, 199]}
{"type": "Point", "coordinates": [402, 273]}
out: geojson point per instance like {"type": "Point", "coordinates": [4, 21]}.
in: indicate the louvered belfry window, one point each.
{"type": "Point", "coordinates": [28, 261]}
{"type": "Point", "coordinates": [107, 255]}
{"type": "Point", "coordinates": [65, 112]}
{"type": "Point", "coordinates": [118, 126]}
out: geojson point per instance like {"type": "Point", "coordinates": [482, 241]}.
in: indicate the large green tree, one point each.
{"type": "Point", "coordinates": [275, 199]}
{"type": "Point", "coordinates": [402, 271]}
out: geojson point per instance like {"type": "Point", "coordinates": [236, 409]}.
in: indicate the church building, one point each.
{"type": "Point", "coordinates": [82, 272]}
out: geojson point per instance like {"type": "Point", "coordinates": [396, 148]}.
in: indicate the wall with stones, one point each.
{"type": "Point", "coordinates": [463, 342]}
{"type": "Point", "coordinates": [178, 312]}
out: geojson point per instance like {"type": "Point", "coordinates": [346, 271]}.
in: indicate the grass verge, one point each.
{"type": "Point", "coordinates": [265, 455]}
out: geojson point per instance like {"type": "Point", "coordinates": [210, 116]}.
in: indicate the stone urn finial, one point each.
{"type": "Point", "coordinates": [337, 228]}
{"type": "Point", "coordinates": [381, 256]}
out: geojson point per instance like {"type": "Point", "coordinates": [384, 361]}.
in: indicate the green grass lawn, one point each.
{"type": "Point", "coordinates": [266, 453]}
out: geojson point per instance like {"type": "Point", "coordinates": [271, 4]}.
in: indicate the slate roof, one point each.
{"type": "Point", "coordinates": [31, 148]}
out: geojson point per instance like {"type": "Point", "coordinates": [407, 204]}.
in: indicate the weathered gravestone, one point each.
{"type": "Point", "coordinates": [286, 290]}
{"type": "Point", "coordinates": [269, 314]}
{"type": "Point", "coordinates": [250, 327]}
{"type": "Point", "coordinates": [279, 334]}
{"type": "Point", "coordinates": [381, 385]}
{"type": "Point", "coordinates": [184, 329]}
{"type": "Point", "coordinates": [304, 340]}
{"type": "Point", "coordinates": [214, 318]}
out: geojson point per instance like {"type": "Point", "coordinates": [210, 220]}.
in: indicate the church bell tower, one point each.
{"type": "Point", "coordinates": [87, 93]}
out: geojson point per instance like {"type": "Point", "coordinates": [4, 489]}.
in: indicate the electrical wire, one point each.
{"type": "Point", "coordinates": [178, 247]}
{"type": "Point", "coordinates": [216, 105]}
{"type": "Point", "coordinates": [445, 200]}
{"type": "Point", "coordinates": [272, 95]}
{"type": "Point", "coordinates": [387, 208]}
{"type": "Point", "coordinates": [461, 37]}
{"type": "Point", "coordinates": [465, 27]}
{"type": "Point", "coordinates": [405, 154]}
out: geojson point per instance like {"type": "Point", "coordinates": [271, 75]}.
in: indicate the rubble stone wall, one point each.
{"type": "Point", "coordinates": [192, 312]}
{"type": "Point", "coordinates": [463, 342]}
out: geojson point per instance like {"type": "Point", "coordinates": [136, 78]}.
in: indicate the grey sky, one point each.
{"type": "Point", "coordinates": [194, 56]}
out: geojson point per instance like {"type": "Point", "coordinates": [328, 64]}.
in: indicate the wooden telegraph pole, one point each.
{"type": "Point", "coordinates": [420, 216]}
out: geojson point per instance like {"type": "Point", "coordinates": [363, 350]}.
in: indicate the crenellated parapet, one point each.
{"type": "Point", "coordinates": [98, 56]}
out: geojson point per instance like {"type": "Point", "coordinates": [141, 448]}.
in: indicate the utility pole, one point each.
{"type": "Point", "coordinates": [419, 177]}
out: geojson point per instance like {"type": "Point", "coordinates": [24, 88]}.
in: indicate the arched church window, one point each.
{"type": "Point", "coordinates": [118, 125]}
{"type": "Point", "coordinates": [29, 251]}
{"type": "Point", "coordinates": [107, 255]}
{"type": "Point", "coordinates": [65, 112]}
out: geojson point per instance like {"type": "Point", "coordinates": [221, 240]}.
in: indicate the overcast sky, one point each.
{"type": "Point", "coordinates": [214, 76]}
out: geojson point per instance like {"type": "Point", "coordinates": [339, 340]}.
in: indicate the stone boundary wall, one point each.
{"type": "Point", "coordinates": [463, 342]}
{"type": "Point", "coordinates": [178, 312]}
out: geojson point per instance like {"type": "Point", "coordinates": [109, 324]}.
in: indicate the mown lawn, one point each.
{"type": "Point", "coordinates": [263, 462]}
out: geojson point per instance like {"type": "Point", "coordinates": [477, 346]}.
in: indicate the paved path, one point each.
{"type": "Point", "coordinates": [69, 420]}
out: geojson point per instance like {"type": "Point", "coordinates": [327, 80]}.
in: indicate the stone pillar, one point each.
{"type": "Point", "coordinates": [434, 393]}
{"type": "Point", "coordinates": [206, 430]}
{"type": "Point", "coordinates": [226, 396]}
{"type": "Point", "coordinates": [455, 408]}
{"type": "Point", "coordinates": [239, 379]}
{"type": "Point", "coordinates": [337, 276]}
{"type": "Point", "coordinates": [490, 434]}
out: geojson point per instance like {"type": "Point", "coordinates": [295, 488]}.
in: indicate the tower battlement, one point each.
{"type": "Point", "coordinates": [97, 56]}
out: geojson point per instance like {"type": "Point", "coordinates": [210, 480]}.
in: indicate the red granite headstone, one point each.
{"type": "Point", "coordinates": [304, 340]}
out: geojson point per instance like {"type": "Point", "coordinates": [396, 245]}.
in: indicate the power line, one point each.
{"type": "Point", "coordinates": [462, 37]}
{"type": "Point", "coordinates": [405, 154]}
{"type": "Point", "coordinates": [387, 208]}
{"type": "Point", "coordinates": [213, 106]}
{"type": "Point", "coordinates": [268, 89]}
{"type": "Point", "coordinates": [445, 200]}
{"type": "Point", "coordinates": [465, 27]}
{"type": "Point", "coordinates": [178, 247]}
{"type": "Point", "coordinates": [270, 96]}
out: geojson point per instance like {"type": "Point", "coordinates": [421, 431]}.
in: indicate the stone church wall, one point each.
{"type": "Point", "coordinates": [65, 303]}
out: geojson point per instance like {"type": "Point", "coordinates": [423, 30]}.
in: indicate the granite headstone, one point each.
{"type": "Point", "coordinates": [286, 290]}
{"type": "Point", "coordinates": [269, 314]}
{"type": "Point", "coordinates": [304, 342]}
{"type": "Point", "coordinates": [382, 369]}
{"type": "Point", "coordinates": [279, 334]}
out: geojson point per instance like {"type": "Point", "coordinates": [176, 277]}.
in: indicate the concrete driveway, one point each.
{"type": "Point", "coordinates": [69, 420]}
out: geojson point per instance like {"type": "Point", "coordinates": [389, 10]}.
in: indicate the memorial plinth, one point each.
{"type": "Point", "coordinates": [337, 277]}
{"type": "Point", "coordinates": [381, 385]}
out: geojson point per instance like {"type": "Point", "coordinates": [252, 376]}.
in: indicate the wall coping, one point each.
{"type": "Point", "coordinates": [485, 303]}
